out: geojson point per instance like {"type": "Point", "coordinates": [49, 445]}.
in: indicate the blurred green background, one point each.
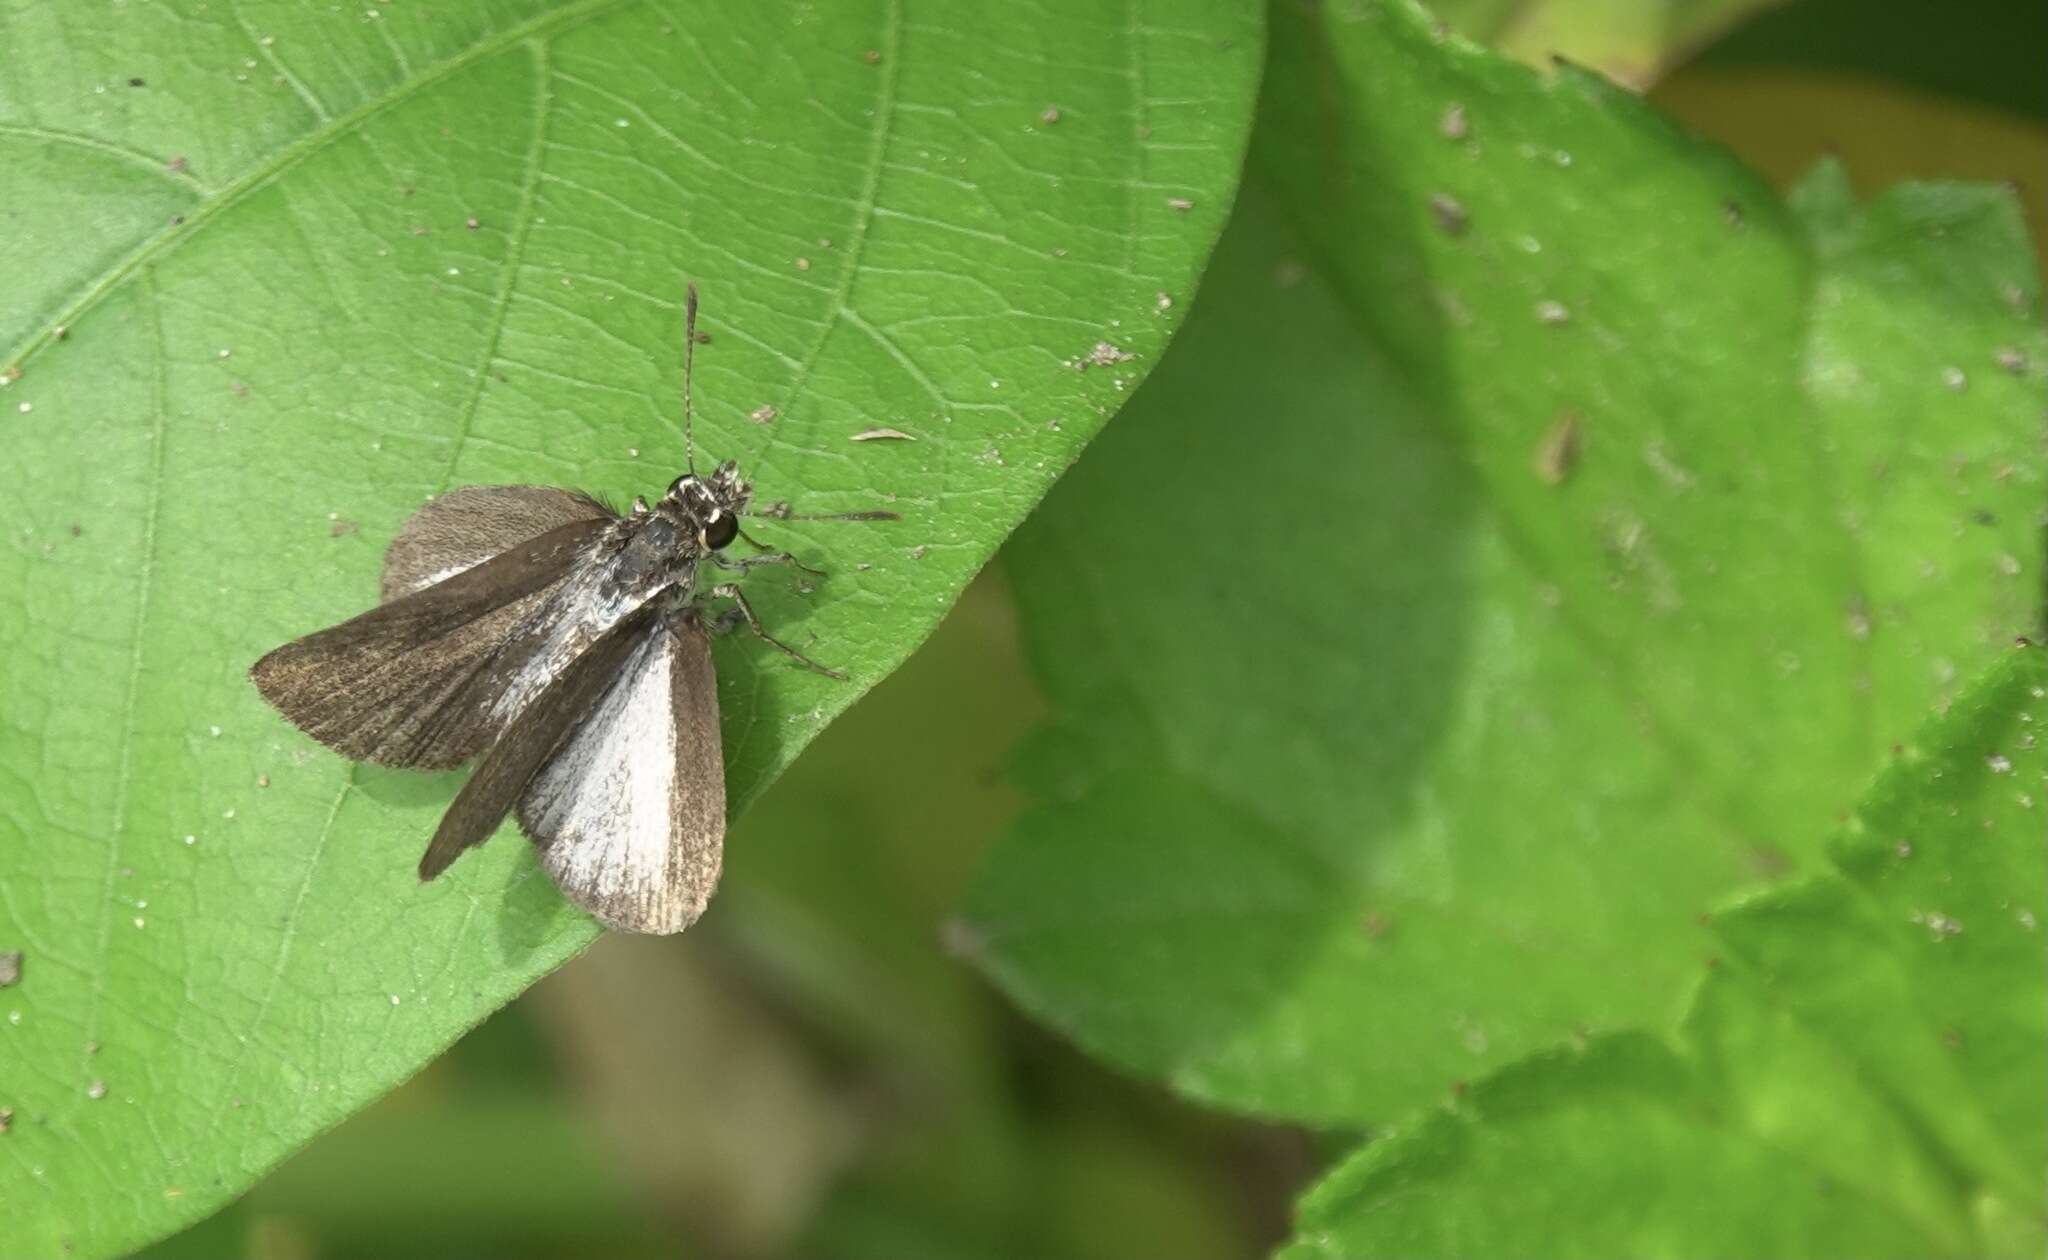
{"type": "Point", "coordinates": [810, 1071]}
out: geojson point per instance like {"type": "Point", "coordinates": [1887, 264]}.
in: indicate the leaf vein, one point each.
{"type": "Point", "coordinates": [515, 251]}
{"type": "Point", "coordinates": [135, 157]}
{"type": "Point", "coordinates": [291, 929]}
{"type": "Point", "coordinates": [124, 768]}
{"type": "Point", "coordinates": [92, 292]}
{"type": "Point", "coordinates": [864, 203]}
{"type": "Point", "coordinates": [298, 86]}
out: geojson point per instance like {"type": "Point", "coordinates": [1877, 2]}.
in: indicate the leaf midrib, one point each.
{"type": "Point", "coordinates": [168, 238]}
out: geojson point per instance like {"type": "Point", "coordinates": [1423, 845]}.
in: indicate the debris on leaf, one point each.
{"type": "Point", "coordinates": [1104, 354]}
{"type": "Point", "coordinates": [1558, 453]}
{"type": "Point", "coordinates": [1449, 213]}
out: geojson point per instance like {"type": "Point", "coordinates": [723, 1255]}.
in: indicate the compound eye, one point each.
{"type": "Point", "coordinates": [675, 488]}
{"type": "Point", "coordinates": [721, 528]}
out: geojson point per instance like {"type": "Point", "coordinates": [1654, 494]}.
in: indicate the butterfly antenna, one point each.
{"type": "Point", "coordinates": [781, 512]}
{"type": "Point", "coordinates": [689, 362]}
{"type": "Point", "coordinates": [847, 516]}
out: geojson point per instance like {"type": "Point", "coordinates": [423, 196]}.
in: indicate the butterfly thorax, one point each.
{"type": "Point", "coordinates": [648, 554]}
{"type": "Point", "coordinates": [654, 548]}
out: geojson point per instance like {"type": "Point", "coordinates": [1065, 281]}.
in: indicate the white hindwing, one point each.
{"type": "Point", "coordinates": [629, 813]}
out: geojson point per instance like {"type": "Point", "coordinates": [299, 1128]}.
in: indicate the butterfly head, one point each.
{"type": "Point", "coordinates": [710, 505]}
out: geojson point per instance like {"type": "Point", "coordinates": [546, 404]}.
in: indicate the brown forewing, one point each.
{"type": "Point", "coordinates": [382, 687]}
{"type": "Point", "coordinates": [468, 526]}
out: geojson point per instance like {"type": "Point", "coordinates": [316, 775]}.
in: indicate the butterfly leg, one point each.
{"type": "Point", "coordinates": [724, 561]}
{"type": "Point", "coordinates": [743, 612]}
{"type": "Point", "coordinates": [754, 542]}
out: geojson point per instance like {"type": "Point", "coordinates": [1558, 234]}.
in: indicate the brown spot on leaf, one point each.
{"type": "Point", "coordinates": [1558, 453]}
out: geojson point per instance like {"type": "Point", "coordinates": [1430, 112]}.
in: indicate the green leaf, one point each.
{"type": "Point", "coordinates": [1627, 40]}
{"type": "Point", "coordinates": [284, 272]}
{"type": "Point", "coordinates": [1866, 1077]}
{"type": "Point", "coordinates": [1390, 743]}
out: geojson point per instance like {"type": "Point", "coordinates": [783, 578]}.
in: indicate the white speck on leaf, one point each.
{"type": "Point", "coordinates": [1106, 354]}
{"type": "Point", "coordinates": [1662, 464]}
{"type": "Point", "coordinates": [1938, 925]}
{"type": "Point", "coordinates": [1449, 214]}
